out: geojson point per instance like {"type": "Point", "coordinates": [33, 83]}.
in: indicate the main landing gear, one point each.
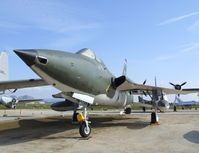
{"type": "Point", "coordinates": [154, 117]}
{"type": "Point", "coordinates": [174, 108]}
{"type": "Point", "coordinates": [82, 119]}
{"type": "Point", "coordinates": [127, 110]}
{"type": "Point", "coordinates": [144, 109]}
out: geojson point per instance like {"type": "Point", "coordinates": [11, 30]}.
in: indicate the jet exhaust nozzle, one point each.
{"type": "Point", "coordinates": [114, 84]}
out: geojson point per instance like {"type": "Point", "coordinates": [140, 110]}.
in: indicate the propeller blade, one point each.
{"type": "Point", "coordinates": [183, 84]}
{"type": "Point", "coordinates": [144, 93]}
{"type": "Point", "coordinates": [15, 90]}
{"type": "Point", "coordinates": [172, 84]}
{"type": "Point", "coordinates": [149, 95]}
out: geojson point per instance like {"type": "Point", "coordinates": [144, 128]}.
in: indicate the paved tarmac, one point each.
{"type": "Point", "coordinates": [46, 131]}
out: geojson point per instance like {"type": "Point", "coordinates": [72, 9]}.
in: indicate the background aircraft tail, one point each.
{"type": "Point", "coordinates": [3, 66]}
{"type": "Point", "coordinates": [125, 68]}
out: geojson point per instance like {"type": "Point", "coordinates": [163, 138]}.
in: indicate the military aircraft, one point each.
{"type": "Point", "coordinates": [84, 80]}
{"type": "Point", "coordinates": [5, 99]}
{"type": "Point", "coordinates": [162, 105]}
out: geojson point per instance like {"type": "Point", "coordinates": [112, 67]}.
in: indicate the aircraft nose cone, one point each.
{"type": "Point", "coordinates": [28, 56]}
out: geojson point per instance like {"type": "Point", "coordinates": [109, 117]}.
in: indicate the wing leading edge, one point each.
{"type": "Point", "coordinates": [5, 85]}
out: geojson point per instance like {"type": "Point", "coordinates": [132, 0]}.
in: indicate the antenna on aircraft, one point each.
{"type": "Point", "coordinates": [3, 66]}
{"type": "Point", "coordinates": [125, 67]}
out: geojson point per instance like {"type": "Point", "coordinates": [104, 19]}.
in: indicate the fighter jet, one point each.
{"type": "Point", "coordinates": [5, 99]}
{"type": "Point", "coordinates": [85, 80]}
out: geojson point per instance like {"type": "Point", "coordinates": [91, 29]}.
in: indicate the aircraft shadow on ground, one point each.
{"type": "Point", "coordinates": [33, 129]}
{"type": "Point", "coordinates": [192, 136]}
{"type": "Point", "coordinates": [111, 122]}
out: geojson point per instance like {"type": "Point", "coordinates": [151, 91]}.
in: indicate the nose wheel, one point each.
{"type": "Point", "coordinates": [84, 129]}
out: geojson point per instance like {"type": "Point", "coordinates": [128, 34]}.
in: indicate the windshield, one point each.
{"type": "Point", "coordinates": [87, 52]}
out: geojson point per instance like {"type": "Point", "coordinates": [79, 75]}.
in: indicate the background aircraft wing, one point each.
{"type": "Point", "coordinates": [191, 89]}
{"type": "Point", "coordinates": [5, 85]}
{"type": "Point", "coordinates": [130, 86]}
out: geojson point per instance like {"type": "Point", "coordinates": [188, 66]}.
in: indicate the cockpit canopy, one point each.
{"type": "Point", "coordinates": [90, 54]}
{"type": "Point", "coordinates": [87, 52]}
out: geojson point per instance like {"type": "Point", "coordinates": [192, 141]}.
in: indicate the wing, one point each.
{"type": "Point", "coordinates": [191, 89]}
{"type": "Point", "coordinates": [128, 85]}
{"type": "Point", "coordinates": [5, 85]}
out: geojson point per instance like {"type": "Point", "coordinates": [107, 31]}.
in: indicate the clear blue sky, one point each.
{"type": "Point", "coordinates": [159, 38]}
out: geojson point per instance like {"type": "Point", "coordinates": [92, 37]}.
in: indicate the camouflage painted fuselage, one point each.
{"type": "Point", "coordinates": [74, 70]}
{"type": "Point", "coordinates": [81, 73]}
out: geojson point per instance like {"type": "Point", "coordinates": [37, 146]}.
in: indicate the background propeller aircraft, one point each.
{"type": "Point", "coordinates": [84, 80]}
{"type": "Point", "coordinates": [177, 100]}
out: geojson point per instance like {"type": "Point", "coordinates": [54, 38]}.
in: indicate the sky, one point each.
{"type": "Point", "coordinates": [158, 38]}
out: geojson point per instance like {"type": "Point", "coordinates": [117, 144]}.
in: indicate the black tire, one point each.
{"type": "Point", "coordinates": [83, 131]}
{"type": "Point", "coordinates": [127, 110]}
{"type": "Point", "coordinates": [153, 118]}
{"type": "Point", "coordinates": [144, 109]}
{"type": "Point", "coordinates": [174, 108]}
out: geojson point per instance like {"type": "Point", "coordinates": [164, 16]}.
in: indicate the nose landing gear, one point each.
{"type": "Point", "coordinates": [82, 119]}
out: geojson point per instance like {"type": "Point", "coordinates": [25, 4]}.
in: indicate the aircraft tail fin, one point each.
{"type": "Point", "coordinates": [125, 68]}
{"type": "Point", "coordinates": [3, 66]}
